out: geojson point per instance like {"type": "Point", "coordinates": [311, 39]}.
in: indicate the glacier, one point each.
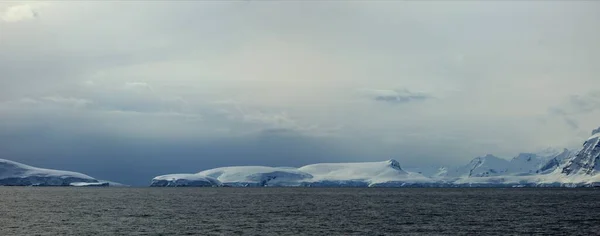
{"type": "Point", "coordinates": [549, 168]}
{"type": "Point", "coordinates": [361, 174]}
{"type": "Point", "coordinates": [179, 180]}
{"type": "Point", "coordinates": [17, 174]}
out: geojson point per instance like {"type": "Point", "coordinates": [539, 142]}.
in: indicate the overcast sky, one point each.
{"type": "Point", "coordinates": [129, 90]}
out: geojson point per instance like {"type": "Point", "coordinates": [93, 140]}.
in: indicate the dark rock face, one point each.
{"type": "Point", "coordinates": [394, 164]}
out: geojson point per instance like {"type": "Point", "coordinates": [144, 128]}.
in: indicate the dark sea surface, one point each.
{"type": "Point", "coordinates": [298, 211]}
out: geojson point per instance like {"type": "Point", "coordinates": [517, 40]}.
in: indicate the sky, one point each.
{"type": "Point", "coordinates": [127, 91]}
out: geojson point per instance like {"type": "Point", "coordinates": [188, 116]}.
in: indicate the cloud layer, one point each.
{"type": "Point", "coordinates": [135, 89]}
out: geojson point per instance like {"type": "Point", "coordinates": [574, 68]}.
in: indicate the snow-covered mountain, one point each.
{"type": "Point", "coordinates": [556, 161]}
{"type": "Point", "coordinates": [323, 174]}
{"type": "Point", "coordinates": [567, 168]}
{"type": "Point", "coordinates": [522, 164]}
{"type": "Point", "coordinates": [488, 165]}
{"type": "Point", "coordinates": [587, 160]}
{"type": "Point", "coordinates": [17, 174]}
{"type": "Point", "coordinates": [550, 167]}
{"type": "Point", "coordinates": [527, 163]}
{"type": "Point", "coordinates": [363, 171]}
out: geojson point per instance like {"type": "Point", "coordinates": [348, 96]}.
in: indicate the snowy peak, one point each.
{"type": "Point", "coordinates": [364, 171]}
{"type": "Point", "coordinates": [488, 165]}
{"type": "Point", "coordinates": [595, 135]}
{"type": "Point", "coordinates": [549, 152]}
{"type": "Point", "coordinates": [488, 158]}
{"type": "Point", "coordinates": [527, 163]}
{"type": "Point", "coordinates": [394, 164]}
{"type": "Point", "coordinates": [596, 131]}
{"type": "Point", "coordinates": [525, 157]}
{"type": "Point", "coordinates": [549, 167]}
{"type": "Point", "coordinates": [587, 160]}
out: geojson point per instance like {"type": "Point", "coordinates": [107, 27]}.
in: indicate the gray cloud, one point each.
{"type": "Point", "coordinates": [398, 96]}
{"type": "Point", "coordinates": [587, 104]}
{"type": "Point", "coordinates": [128, 89]}
{"type": "Point", "coordinates": [572, 123]}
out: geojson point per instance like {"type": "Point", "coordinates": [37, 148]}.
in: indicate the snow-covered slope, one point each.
{"type": "Point", "coordinates": [522, 164]}
{"type": "Point", "coordinates": [555, 162]}
{"type": "Point", "coordinates": [184, 180]}
{"type": "Point", "coordinates": [547, 168]}
{"type": "Point", "coordinates": [355, 171]}
{"type": "Point", "coordinates": [570, 169]}
{"type": "Point", "coordinates": [324, 174]}
{"type": "Point", "coordinates": [435, 172]}
{"type": "Point", "coordinates": [17, 174]}
{"type": "Point", "coordinates": [236, 176]}
{"type": "Point", "coordinates": [361, 174]}
{"type": "Point", "coordinates": [587, 161]}
{"type": "Point", "coordinates": [485, 166]}
{"type": "Point", "coordinates": [257, 175]}
{"type": "Point", "coordinates": [526, 163]}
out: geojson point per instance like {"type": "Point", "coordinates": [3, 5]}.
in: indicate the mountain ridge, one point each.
{"type": "Point", "coordinates": [547, 168]}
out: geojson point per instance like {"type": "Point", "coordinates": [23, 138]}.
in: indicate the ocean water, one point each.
{"type": "Point", "coordinates": [298, 211]}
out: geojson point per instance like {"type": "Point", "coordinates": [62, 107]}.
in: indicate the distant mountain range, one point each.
{"type": "Point", "coordinates": [550, 168]}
